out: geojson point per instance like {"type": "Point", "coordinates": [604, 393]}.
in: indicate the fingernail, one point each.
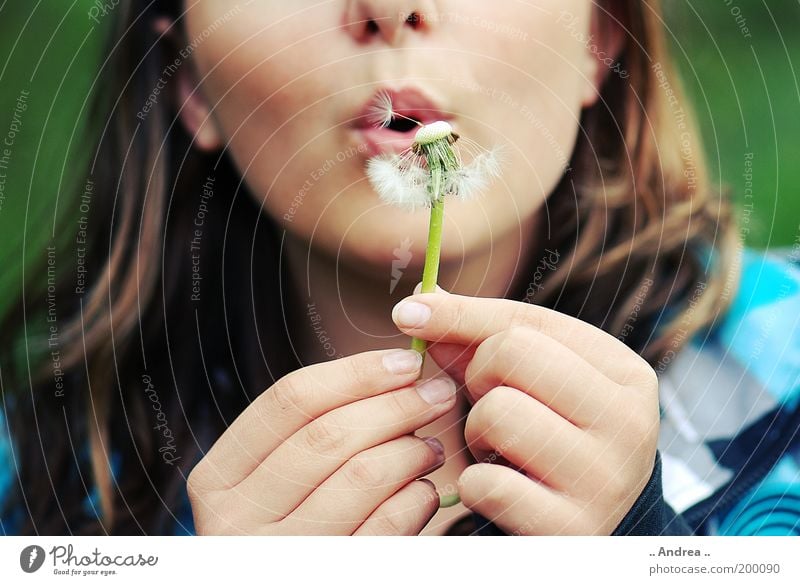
{"type": "Point", "coordinates": [437, 390]}
{"type": "Point", "coordinates": [402, 361]}
{"type": "Point", "coordinates": [436, 446]}
{"type": "Point", "coordinates": [411, 314]}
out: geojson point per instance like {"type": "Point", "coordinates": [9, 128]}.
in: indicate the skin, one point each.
{"type": "Point", "coordinates": [562, 418]}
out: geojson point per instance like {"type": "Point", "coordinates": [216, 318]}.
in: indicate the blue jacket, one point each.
{"type": "Point", "coordinates": [728, 460]}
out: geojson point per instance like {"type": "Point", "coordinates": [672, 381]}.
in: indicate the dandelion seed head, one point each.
{"type": "Point", "coordinates": [432, 132]}
{"type": "Point", "coordinates": [471, 180]}
{"type": "Point", "coordinates": [399, 180]}
{"type": "Point", "coordinates": [432, 167]}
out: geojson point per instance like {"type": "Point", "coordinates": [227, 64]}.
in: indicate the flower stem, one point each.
{"type": "Point", "coordinates": [429, 275]}
{"type": "Point", "coordinates": [447, 500]}
{"type": "Point", "coordinates": [431, 270]}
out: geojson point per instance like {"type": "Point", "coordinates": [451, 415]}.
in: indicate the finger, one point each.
{"type": "Point", "coordinates": [295, 399]}
{"type": "Point", "coordinates": [404, 514]}
{"type": "Point", "coordinates": [452, 358]}
{"type": "Point", "coordinates": [550, 372]}
{"type": "Point", "coordinates": [517, 504]}
{"type": "Point", "coordinates": [361, 485]}
{"type": "Point", "coordinates": [470, 320]}
{"type": "Point", "coordinates": [510, 424]}
{"type": "Point", "coordinates": [311, 455]}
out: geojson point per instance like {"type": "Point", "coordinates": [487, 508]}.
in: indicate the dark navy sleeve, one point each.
{"type": "Point", "coordinates": [649, 516]}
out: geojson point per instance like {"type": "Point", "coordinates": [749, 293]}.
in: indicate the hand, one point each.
{"type": "Point", "coordinates": [328, 449]}
{"type": "Point", "coordinates": [565, 417]}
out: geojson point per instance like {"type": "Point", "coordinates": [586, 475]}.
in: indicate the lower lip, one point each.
{"type": "Point", "coordinates": [378, 141]}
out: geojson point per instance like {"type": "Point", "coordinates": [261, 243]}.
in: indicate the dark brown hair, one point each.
{"type": "Point", "coordinates": [629, 221]}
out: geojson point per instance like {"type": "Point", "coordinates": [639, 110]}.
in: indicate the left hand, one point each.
{"type": "Point", "coordinates": [572, 409]}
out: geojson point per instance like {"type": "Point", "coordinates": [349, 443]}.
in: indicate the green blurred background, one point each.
{"type": "Point", "coordinates": [737, 61]}
{"type": "Point", "coordinates": [746, 93]}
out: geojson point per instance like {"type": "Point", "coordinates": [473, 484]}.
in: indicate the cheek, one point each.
{"type": "Point", "coordinates": [528, 81]}
{"type": "Point", "coordinates": [269, 76]}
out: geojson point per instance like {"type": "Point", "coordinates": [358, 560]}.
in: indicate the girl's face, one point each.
{"type": "Point", "coordinates": [287, 84]}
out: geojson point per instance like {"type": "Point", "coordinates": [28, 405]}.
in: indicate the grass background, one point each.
{"type": "Point", "coordinates": [745, 89]}
{"type": "Point", "coordinates": [52, 50]}
{"type": "Point", "coordinates": [746, 94]}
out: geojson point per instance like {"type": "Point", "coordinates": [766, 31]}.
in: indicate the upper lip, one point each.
{"type": "Point", "coordinates": [412, 102]}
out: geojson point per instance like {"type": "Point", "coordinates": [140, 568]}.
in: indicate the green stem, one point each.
{"type": "Point", "coordinates": [431, 270]}
{"type": "Point", "coordinates": [447, 500]}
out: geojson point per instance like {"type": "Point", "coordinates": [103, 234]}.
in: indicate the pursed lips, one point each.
{"type": "Point", "coordinates": [398, 136]}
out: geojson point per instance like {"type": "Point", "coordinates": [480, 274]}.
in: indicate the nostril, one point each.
{"type": "Point", "coordinates": [367, 26]}
{"type": "Point", "coordinates": [372, 27]}
{"type": "Point", "coordinates": [414, 20]}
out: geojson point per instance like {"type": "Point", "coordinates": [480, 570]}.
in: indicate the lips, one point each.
{"type": "Point", "coordinates": [410, 102]}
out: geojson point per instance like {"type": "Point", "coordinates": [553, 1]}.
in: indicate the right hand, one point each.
{"type": "Point", "coordinates": [328, 449]}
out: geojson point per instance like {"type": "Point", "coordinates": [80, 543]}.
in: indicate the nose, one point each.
{"type": "Point", "coordinates": [389, 20]}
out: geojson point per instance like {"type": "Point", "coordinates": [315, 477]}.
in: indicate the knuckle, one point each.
{"type": "Point", "coordinates": [642, 425]}
{"type": "Point", "coordinates": [513, 345]}
{"type": "Point", "coordinates": [193, 484]}
{"type": "Point", "coordinates": [419, 503]}
{"type": "Point", "coordinates": [364, 473]}
{"type": "Point", "coordinates": [492, 407]}
{"type": "Point", "coordinates": [641, 376]}
{"type": "Point", "coordinates": [288, 395]}
{"type": "Point", "coordinates": [458, 319]}
{"type": "Point", "coordinates": [389, 523]}
{"type": "Point", "coordinates": [518, 336]}
{"type": "Point", "coordinates": [198, 482]}
{"type": "Point", "coordinates": [403, 408]}
{"type": "Point", "coordinates": [616, 487]}
{"type": "Point", "coordinates": [649, 378]}
{"type": "Point", "coordinates": [324, 437]}
{"type": "Point", "coordinates": [357, 371]}
{"type": "Point", "coordinates": [529, 316]}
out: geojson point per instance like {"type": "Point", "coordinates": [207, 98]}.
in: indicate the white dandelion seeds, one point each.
{"type": "Point", "coordinates": [381, 113]}
{"type": "Point", "coordinates": [431, 167]}
{"type": "Point", "coordinates": [399, 184]}
{"type": "Point", "coordinates": [403, 179]}
{"type": "Point", "coordinates": [470, 181]}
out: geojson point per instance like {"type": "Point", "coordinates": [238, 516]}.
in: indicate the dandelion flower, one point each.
{"type": "Point", "coordinates": [423, 174]}
{"type": "Point", "coordinates": [433, 167]}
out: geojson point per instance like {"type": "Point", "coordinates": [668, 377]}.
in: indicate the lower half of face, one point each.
{"type": "Point", "coordinates": [287, 83]}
